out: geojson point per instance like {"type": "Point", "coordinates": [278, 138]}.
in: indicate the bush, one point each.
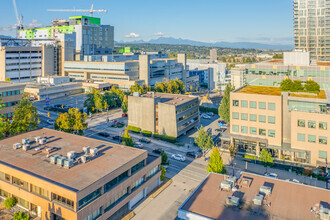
{"type": "Point", "coordinates": [286, 85]}
{"type": "Point", "coordinates": [165, 160]}
{"type": "Point", "coordinates": [10, 202]}
{"type": "Point", "coordinates": [156, 135]}
{"type": "Point", "coordinates": [206, 109]}
{"type": "Point", "coordinates": [162, 176]}
{"type": "Point", "coordinates": [312, 86]}
{"type": "Point", "coordinates": [21, 216]}
{"type": "Point", "coordinates": [168, 138]}
{"type": "Point", "coordinates": [297, 86]}
{"type": "Point", "coordinates": [246, 156]}
{"type": "Point", "coordinates": [146, 133]}
{"type": "Point", "coordinates": [134, 129]}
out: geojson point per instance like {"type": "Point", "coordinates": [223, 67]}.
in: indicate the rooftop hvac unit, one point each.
{"type": "Point", "coordinates": [324, 209]}
{"type": "Point", "coordinates": [258, 198]}
{"type": "Point", "coordinates": [226, 185]}
{"type": "Point", "coordinates": [42, 141]}
{"type": "Point", "coordinates": [25, 141]}
{"type": "Point", "coordinates": [60, 161]}
{"type": "Point", "coordinates": [71, 154]}
{"type": "Point", "coordinates": [137, 94]}
{"type": "Point", "coordinates": [68, 163]}
{"type": "Point", "coordinates": [232, 201]}
{"type": "Point", "coordinates": [266, 190]}
{"type": "Point", "coordinates": [53, 159]}
{"type": "Point", "coordinates": [93, 151]}
{"type": "Point", "coordinates": [85, 158]}
{"type": "Point", "coordinates": [36, 139]}
{"type": "Point", "coordinates": [17, 146]}
{"type": "Point", "coordinates": [26, 147]}
{"type": "Point", "coordinates": [232, 179]}
{"type": "Point", "coordinates": [86, 149]}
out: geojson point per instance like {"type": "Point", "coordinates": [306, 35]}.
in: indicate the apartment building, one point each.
{"type": "Point", "coordinates": [292, 126]}
{"type": "Point", "coordinates": [162, 113]}
{"type": "Point", "coordinates": [56, 175]}
{"type": "Point", "coordinates": [10, 95]}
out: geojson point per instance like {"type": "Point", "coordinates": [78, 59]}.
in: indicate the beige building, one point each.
{"type": "Point", "coordinates": [56, 175]}
{"type": "Point", "coordinates": [292, 126]}
{"type": "Point", "coordinates": [162, 113]}
{"type": "Point", "coordinates": [10, 94]}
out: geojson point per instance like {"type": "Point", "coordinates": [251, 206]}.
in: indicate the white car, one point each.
{"type": "Point", "coordinates": [50, 121]}
{"type": "Point", "coordinates": [178, 157]}
{"type": "Point", "coordinates": [293, 180]}
{"type": "Point", "coordinates": [210, 114]}
{"type": "Point", "coordinates": [271, 175]}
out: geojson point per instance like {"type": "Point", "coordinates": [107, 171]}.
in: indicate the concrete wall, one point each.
{"type": "Point", "coordinates": [167, 123]}
{"type": "Point", "coordinates": [144, 68]}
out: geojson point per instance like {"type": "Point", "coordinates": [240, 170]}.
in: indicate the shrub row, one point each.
{"type": "Point", "coordinates": [246, 156]}
{"type": "Point", "coordinates": [146, 133]}
{"type": "Point", "coordinates": [206, 109]}
{"type": "Point", "coordinates": [165, 138]}
{"type": "Point", "coordinates": [133, 128]}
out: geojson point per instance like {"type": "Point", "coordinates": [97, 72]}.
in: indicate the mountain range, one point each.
{"type": "Point", "coordinates": [180, 41]}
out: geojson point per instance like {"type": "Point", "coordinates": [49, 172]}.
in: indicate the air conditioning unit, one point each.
{"type": "Point", "coordinates": [60, 161]}
{"type": "Point", "coordinates": [93, 151]}
{"type": "Point", "coordinates": [53, 159]}
{"type": "Point", "coordinates": [265, 190]}
{"type": "Point", "coordinates": [42, 141]}
{"type": "Point", "coordinates": [17, 146]}
{"type": "Point", "coordinates": [71, 154]}
{"type": "Point", "coordinates": [86, 149]}
{"type": "Point", "coordinates": [85, 158]}
{"type": "Point", "coordinates": [258, 198]}
{"type": "Point", "coordinates": [36, 139]}
{"type": "Point", "coordinates": [68, 163]}
{"type": "Point", "coordinates": [26, 147]}
{"type": "Point", "coordinates": [25, 141]}
{"type": "Point", "coordinates": [232, 200]}
{"type": "Point", "coordinates": [226, 185]}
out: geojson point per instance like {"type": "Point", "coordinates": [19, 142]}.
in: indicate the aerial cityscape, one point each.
{"type": "Point", "coordinates": [176, 110]}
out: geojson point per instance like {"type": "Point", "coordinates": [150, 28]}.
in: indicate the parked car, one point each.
{"type": "Point", "coordinates": [178, 157]}
{"type": "Point", "coordinates": [205, 116]}
{"type": "Point", "coordinates": [293, 180]}
{"type": "Point", "coordinates": [104, 134]}
{"type": "Point", "coordinates": [271, 175]}
{"type": "Point", "coordinates": [210, 114]}
{"type": "Point", "coordinates": [157, 151]}
{"type": "Point", "coordinates": [117, 137]}
{"type": "Point", "coordinates": [138, 145]}
{"type": "Point", "coordinates": [193, 154]}
{"type": "Point", "coordinates": [124, 115]}
{"type": "Point", "coordinates": [50, 121]}
{"type": "Point", "coordinates": [145, 140]}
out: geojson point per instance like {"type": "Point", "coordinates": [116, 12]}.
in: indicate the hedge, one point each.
{"type": "Point", "coordinates": [206, 109]}
{"type": "Point", "coordinates": [165, 138]}
{"type": "Point", "coordinates": [246, 156]}
{"type": "Point", "coordinates": [146, 133]}
{"type": "Point", "coordinates": [134, 129]}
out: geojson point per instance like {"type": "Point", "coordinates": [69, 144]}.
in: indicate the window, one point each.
{"type": "Point", "coordinates": [152, 172]}
{"type": "Point", "coordinates": [271, 119]}
{"type": "Point", "coordinates": [323, 140]}
{"type": "Point", "coordinates": [4, 176]}
{"type": "Point", "coordinates": [235, 128]}
{"type": "Point", "coordinates": [115, 181]}
{"type": "Point", "coordinates": [301, 137]}
{"type": "Point", "coordinates": [20, 183]}
{"type": "Point", "coordinates": [301, 123]}
{"type": "Point", "coordinates": [244, 104]}
{"type": "Point", "coordinates": [253, 130]}
{"type": "Point", "coordinates": [322, 154]}
{"type": "Point", "coordinates": [244, 116]}
{"type": "Point", "coordinates": [253, 117]}
{"type": "Point", "coordinates": [22, 202]}
{"type": "Point", "coordinates": [97, 213]}
{"type": "Point", "coordinates": [235, 115]}
{"type": "Point", "coordinates": [244, 129]}
{"type": "Point", "coordinates": [271, 106]}
{"type": "Point", "coordinates": [323, 125]}
{"type": "Point", "coordinates": [137, 183]}
{"type": "Point", "coordinates": [262, 132]}
{"type": "Point", "coordinates": [40, 191]}
{"type": "Point", "coordinates": [115, 199]}
{"type": "Point", "coordinates": [271, 133]}
{"type": "Point", "coordinates": [4, 193]}
{"type": "Point", "coordinates": [89, 198]}
{"type": "Point", "coordinates": [311, 124]}
{"type": "Point", "coordinates": [311, 138]}
{"type": "Point", "coordinates": [262, 118]}
{"type": "Point", "coordinates": [253, 104]}
{"type": "Point", "coordinates": [137, 167]}
{"type": "Point", "coordinates": [262, 105]}
{"type": "Point", "coordinates": [235, 103]}
{"type": "Point", "coordinates": [62, 200]}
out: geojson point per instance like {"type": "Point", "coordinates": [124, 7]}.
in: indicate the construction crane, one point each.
{"type": "Point", "coordinates": [19, 19]}
{"type": "Point", "coordinates": [81, 10]}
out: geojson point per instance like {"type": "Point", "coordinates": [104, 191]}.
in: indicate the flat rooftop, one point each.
{"type": "Point", "coordinates": [173, 99]}
{"type": "Point", "coordinates": [110, 157]}
{"type": "Point", "coordinates": [9, 84]}
{"type": "Point", "coordinates": [287, 200]}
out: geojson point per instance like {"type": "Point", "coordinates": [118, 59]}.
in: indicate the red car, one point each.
{"type": "Point", "coordinates": [124, 115]}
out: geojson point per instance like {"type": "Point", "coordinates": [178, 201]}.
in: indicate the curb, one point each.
{"type": "Point", "coordinates": [160, 189]}
{"type": "Point", "coordinates": [129, 216]}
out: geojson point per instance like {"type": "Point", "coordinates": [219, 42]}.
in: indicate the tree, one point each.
{"type": "Point", "coordinates": [127, 139]}
{"type": "Point", "coordinates": [10, 202]}
{"type": "Point", "coordinates": [165, 160]}
{"type": "Point", "coordinates": [215, 163]}
{"type": "Point", "coordinates": [224, 109]}
{"type": "Point", "coordinates": [161, 87]}
{"type": "Point", "coordinates": [137, 88]}
{"type": "Point", "coordinates": [25, 117]}
{"type": "Point", "coordinates": [124, 105]}
{"type": "Point", "coordinates": [203, 140]}
{"type": "Point", "coordinates": [233, 152]}
{"type": "Point", "coordinates": [72, 122]}
{"type": "Point", "coordinates": [4, 124]}
{"type": "Point", "coordinates": [297, 86]}
{"type": "Point", "coordinates": [223, 59]}
{"type": "Point", "coordinates": [21, 216]}
{"type": "Point", "coordinates": [266, 158]}
{"type": "Point", "coordinates": [162, 175]}
{"type": "Point", "coordinates": [312, 86]}
{"type": "Point", "coordinates": [286, 85]}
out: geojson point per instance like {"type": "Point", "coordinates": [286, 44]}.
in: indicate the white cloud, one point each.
{"type": "Point", "coordinates": [34, 24]}
{"type": "Point", "coordinates": [159, 34]}
{"type": "Point", "coordinates": [132, 35]}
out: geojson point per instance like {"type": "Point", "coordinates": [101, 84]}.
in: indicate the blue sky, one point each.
{"type": "Point", "coordinates": [263, 21]}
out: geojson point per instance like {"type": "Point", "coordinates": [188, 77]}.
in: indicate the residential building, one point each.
{"type": "Point", "coordinates": [255, 197]}
{"type": "Point", "coordinates": [163, 113]}
{"type": "Point", "coordinates": [213, 55]}
{"type": "Point", "coordinates": [10, 94]}
{"type": "Point", "coordinates": [57, 175]}
{"type": "Point", "coordinates": [292, 126]}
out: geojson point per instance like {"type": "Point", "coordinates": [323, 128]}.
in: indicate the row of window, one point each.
{"type": "Point", "coordinates": [253, 104]}
{"type": "Point", "coordinates": [253, 130]}
{"type": "Point", "coordinates": [186, 107]}
{"type": "Point", "coordinates": [16, 58]}
{"type": "Point", "coordinates": [64, 201]}
{"type": "Point", "coordinates": [10, 104]}
{"type": "Point", "coordinates": [253, 117]}
{"type": "Point", "coordinates": [312, 138]}
{"type": "Point", "coordinates": [23, 69]}
{"type": "Point", "coordinates": [312, 124]}
{"type": "Point", "coordinates": [19, 200]}
{"type": "Point", "coordinates": [10, 93]}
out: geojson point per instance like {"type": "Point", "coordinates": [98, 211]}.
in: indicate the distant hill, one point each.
{"type": "Point", "coordinates": [180, 41]}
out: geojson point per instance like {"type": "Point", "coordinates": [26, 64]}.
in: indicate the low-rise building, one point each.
{"type": "Point", "coordinates": [10, 94]}
{"type": "Point", "coordinates": [292, 126]}
{"type": "Point", "coordinates": [163, 113]}
{"type": "Point", "coordinates": [251, 196]}
{"type": "Point", "coordinates": [56, 175]}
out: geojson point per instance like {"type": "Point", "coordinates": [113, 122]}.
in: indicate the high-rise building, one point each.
{"type": "Point", "coordinates": [312, 28]}
{"type": "Point", "coordinates": [213, 54]}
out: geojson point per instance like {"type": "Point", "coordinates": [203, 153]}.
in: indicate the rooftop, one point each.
{"type": "Point", "coordinates": [174, 99]}
{"type": "Point", "coordinates": [110, 157]}
{"type": "Point", "coordinates": [9, 84]}
{"type": "Point", "coordinates": [287, 200]}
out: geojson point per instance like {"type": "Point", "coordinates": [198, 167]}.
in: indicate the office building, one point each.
{"type": "Point", "coordinates": [251, 196]}
{"type": "Point", "coordinates": [213, 55]}
{"type": "Point", "coordinates": [292, 126]}
{"type": "Point", "coordinates": [57, 175]}
{"type": "Point", "coordinates": [162, 113]}
{"type": "Point", "coordinates": [311, 28]}
{"type": "Point", "coordinates": [11, 94]}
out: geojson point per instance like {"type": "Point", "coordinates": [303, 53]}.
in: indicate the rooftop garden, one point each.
{"type": "Point", "coordinates": [298, 89]}
{"type": "Point", "coordinates": [261, 90]}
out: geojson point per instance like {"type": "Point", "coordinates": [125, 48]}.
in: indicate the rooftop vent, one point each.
{"type": "Point", "coordinates": [258, 198]}
{"type": "Point", "coordinates": [17, 146]}
{"type": "Point", "coordinates": [60, 161]}
{"type": "Point", "coordinates": [86, 149]}
{"type": "Point", "coordinates": [85, 158]}
{"type": "Point", "coordinates": [226, 185]}
{"type": "Point", "coordinates": [232, 179]}
{"type": "Point", "coordinates": [68, 163]}
{"type": "Point", "coordinates": [25, 141]}
{"type": "Point", "coordinates": [265, 190]}
{"type": "Point", "coordinates": [232, 200]}
{"type": "Point", "coordinates": [93, 151]}
{"type": "Point", "coordinates": [36, 139]}
{"type": "Point", "coordinates": [71, 154]}
{"type": "Point", "coordinates": [42, 141]}
{"type": "Point", "coordinates": [53, 159]}
{"type": "Point", "coordinates": [26, 147]}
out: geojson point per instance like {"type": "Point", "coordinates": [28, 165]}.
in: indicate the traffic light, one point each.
{"type": "Point", "coordinates": [48, 114]}
{"type": "Point", "coordinates": [62, 106]}
{"type": "Point", "coordinates": [92, 108]}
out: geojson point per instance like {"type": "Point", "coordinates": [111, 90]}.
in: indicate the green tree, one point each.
{"type": "Point", "coordinates": [297, 86]}
{"type": "Point", "coordinates": [266, 158]}
{"type": "Point", "coordinates": [203, 140]}
{"type": "Point", "coordinates": [215, 163]}
{"type": "Point", "coordinates": [161, 87]}
{"type": "Point", "coordinates": [165, 160]}
{"type": "Point", "coordinates": [21, 216]}
{"type": "Point", "coordinates": [312, 86]}
{"type": "Point", "coordinates": [10, 202]}
{"type": "Point", "coordinates": [224, 108]}
{"type": "Point", "coordinates": [162, 175]}
{"type": "Point", "coordinates": [137, 88]}
{"type": "Point", "coordinates": [253, 59]}
{"type": "Point", "coordinates": [233, 152]}
{"type": "Point", "coordinates": [286, 85]}
{"type": "Point", "coordinates": [25, 117]}
{"type": "Point", "coordinates": [124, 105]}
{"type": "Point", "coordinates": [223, 59]}
{"type": "Point", "coordinates": [72, 122]}
{"type": "Point", "coordinates": [127, 139]}
{"type": "Point", "coordinates": [5, 125]}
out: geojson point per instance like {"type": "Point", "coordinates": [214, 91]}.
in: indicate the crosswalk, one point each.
{"type": "Point", "coordinates": [193, 171]}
